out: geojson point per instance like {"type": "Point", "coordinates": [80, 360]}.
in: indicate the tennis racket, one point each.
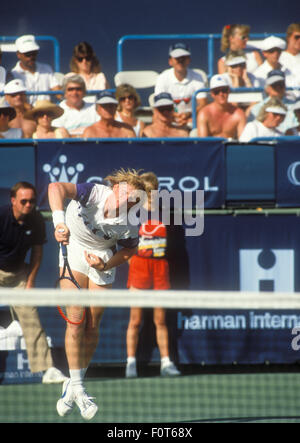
{"type": "Point", "coordinates": [75, 314]}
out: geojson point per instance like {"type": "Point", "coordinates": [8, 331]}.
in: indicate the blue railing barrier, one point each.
{"type": "Point", "coordinates": [209, 37]}
{"type": "Point", "coordinates": [52, 39]}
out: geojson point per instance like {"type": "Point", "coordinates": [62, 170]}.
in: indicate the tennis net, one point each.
{"type": "Point", "coordinates": [237, 353]}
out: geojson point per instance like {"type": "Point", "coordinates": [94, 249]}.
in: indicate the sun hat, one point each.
{"type": "Point", "coordinates": [14, 86]}
{"type": "Point", "coordinates": [26, 43]}
{"type": "Point", "coordinates": [44, 106]}
{"type": "Point", "coordinates": [163, 99]}
{"type": "Point", "coordinates": [105, 98]}
{"type": "Point", "coordinates": [5, 105]}
{"type": "Point", "coordinates": [276, 110]}
{"type": "Point", "coordinates": [179, 50]}
{"type": "Point", "coordinates": [235, 61]}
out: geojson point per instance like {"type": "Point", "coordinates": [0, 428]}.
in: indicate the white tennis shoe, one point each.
{"type": "Point", "coordinates": [169, 369]}
{"type": "Point", "coordinates": [65, 404]}
{"type": "Point", "coordinates": [131, 371]}
{"type": "Point", "coordinates": [53, 375]}
{"type": "Point", "coordinates": [87, 406]}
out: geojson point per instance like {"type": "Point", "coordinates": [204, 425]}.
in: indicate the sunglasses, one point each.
{"type": "Point", "coordinates": [42, 113]}
{"type": "Point", "coordinates": [74, 88]}
{"type": "Point", "coordinates": [274, 50]}
{"type": "Point", "coordinates": [186, 100]}
{"type": "Point", "coordinates": [219, 90]}
{"type": "Point", "coordinates": [30, 54]}
{"type": "Point", "coordinates": [165, 108]}
{"type": "Point", "coordinates": [297, 36]}
{"type": "Point", "coordinates": [32, 201]}
{"type": "Point", "coordinates": [88, 58]}
{"type": "Point", "coordinates": [129, 97]}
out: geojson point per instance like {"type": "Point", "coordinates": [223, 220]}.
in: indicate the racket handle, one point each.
{"type": "Point", "coordinates": [64, 250]}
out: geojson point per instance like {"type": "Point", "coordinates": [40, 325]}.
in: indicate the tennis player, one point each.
{"type": "Point", "coordinates": [94, 224]}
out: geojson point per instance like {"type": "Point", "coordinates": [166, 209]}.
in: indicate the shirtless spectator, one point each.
{"type": "Point", "coordinates": [220, 118]}
{"type": "Point", "coordinates": [163, 116]}
{"type": "Point", "coordinates": [15, 95]}
{"type": "Point", "coordinates": [107, 126]}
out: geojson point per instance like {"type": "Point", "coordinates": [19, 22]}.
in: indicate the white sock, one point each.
{"type": "Point", "coordinates": [131, 360]}
{"type": "Point", "coordinates": [77, 376]}
{"type": "Point", "coordinates": [165, 361]}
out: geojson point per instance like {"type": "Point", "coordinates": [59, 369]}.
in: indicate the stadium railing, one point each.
{"type": "Point", "coordinates": [211, 38]}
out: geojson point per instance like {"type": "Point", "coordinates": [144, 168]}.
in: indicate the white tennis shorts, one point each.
{"type": "Point", "coordinates": [77, 262]}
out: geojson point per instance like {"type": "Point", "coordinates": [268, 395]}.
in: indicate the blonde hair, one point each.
{"type": "Point", "coordinates": [294, 27]}
{"type": "Point", "coordinates": [229, 31]}
{"type": "Point", "coordinates": [274, 101]}
{"type": "Point", "coordinates": [130, 176]}
{"type": "Point", "coordinates": [123, 90]}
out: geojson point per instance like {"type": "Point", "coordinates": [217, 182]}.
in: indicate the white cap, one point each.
{"type": "Point", "coordinates": [219, 81]}
{"type": "Point", "coordinates": [235, 61]}
{"type": "Point", "coordinates": [26, 43]}
{"type": "Point", "coordinates": [14, 86]}
{"type": "Point", "coordinates": [106, 97]}
{"type": "Point", "coordinates": [273, 42]}
{"type": "Point", "coordinates": [163, 99]}
{"type": "Point", "coordinates": [179, 50]}
{"type": "Point", "coordinates": [276, 110]}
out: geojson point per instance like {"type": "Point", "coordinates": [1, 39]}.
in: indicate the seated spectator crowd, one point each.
{"type": "Point", "coordinates": [274, 68]}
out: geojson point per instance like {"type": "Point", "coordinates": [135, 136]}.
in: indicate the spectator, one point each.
{"type": "Point", "coordinates": [149, 269]}
{"type": "Point", "coordinates": [107, 126]}
{"type": "Point", "coordinates": [220, 118]}
{"type": "Point", "coordinates": [7, 113]}
{"type": "Point", "coordinates": [23, 229]}
{"type": "Point", "coordinates": [296, 129]}
{"type": "Point", "coordinates": [236, 70]}
{"type": "Point", "coordinates": [267, 122]}
{"type": "Point", "coordinates": [85, 63]}
{"type": "Point", "coordinates": [43, 113]}
{"type": "Point", "coordinates": [129, 100]}
{"type": "Point", "coordinates": [2, 73]}
{"type": "Point", "coordinates": [78, 114]}
{"type": "Point", "coordinates": [290, 58]}
{"type": "Point", "coordinates": [36, 76]}
{"type": "Point", "coordinates": [162, 123]}
{"type": "Point", "coordinates": [275, 87]}
{"type": "Point", "coordinates": [181, 82]}
{"type": "Point", "coordinates": [15, 95]}
{"type": "Point", "coordinates": [272, 48]}
{"type": "Point", "coordinates": [235, 38]}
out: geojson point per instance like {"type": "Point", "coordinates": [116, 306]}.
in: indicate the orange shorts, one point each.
{"type": "Point", "coordinates": [148, 273]}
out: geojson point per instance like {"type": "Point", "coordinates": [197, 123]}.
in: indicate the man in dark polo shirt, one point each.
{"type": "Point", "coordinates": [22, 228]}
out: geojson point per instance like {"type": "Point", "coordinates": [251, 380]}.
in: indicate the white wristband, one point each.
{"type": "Point", "coordinates": [58, 217]}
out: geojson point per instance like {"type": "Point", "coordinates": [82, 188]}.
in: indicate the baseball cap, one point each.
{"type": "Point", "coordinates": [106, 97]}
{"type": "Point", "coordinates": [26, 43]}
{"type": "Point", "coordinates": [275, 76]}
{"type": "Point", "coordinates": [14, 86]}
{"type": "Point", "coordinates": [219, 81]}
{"type": "Point", "coordinates": [179, 50]}
{"type": "Point", "coordinates": [273, 42]}
{"type": "Point", "coordinates": [163, 99]}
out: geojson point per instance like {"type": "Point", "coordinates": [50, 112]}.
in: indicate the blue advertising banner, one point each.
{"type": "Point", "coordinates": [184, 165]}
{"type": "Point", "coordinates": [288, 173]}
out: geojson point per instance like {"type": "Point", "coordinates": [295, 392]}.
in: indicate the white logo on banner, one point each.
{"type": "Point", "coordinates": [270, 268]}
{"type": "Point", "coordinates": [62, 172]}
